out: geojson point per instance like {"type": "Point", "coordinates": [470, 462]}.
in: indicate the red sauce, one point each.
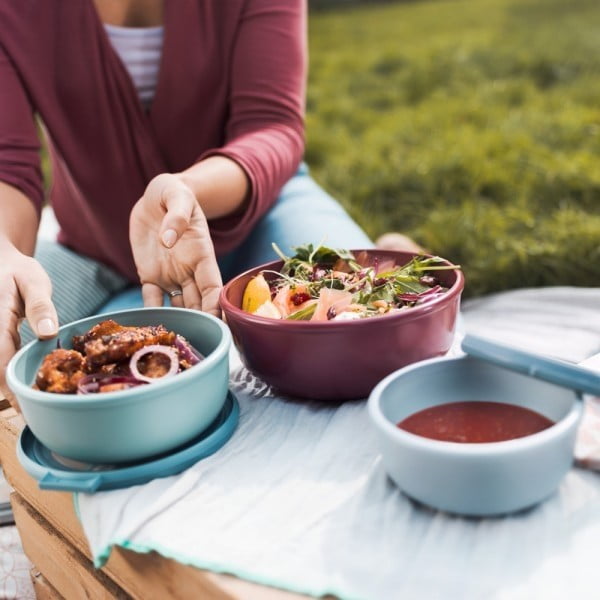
{"type": "Point", "coordinates": [475, 422]}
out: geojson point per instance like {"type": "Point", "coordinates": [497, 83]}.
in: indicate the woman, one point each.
{"type": "Point", "coordinates": [176, 133]}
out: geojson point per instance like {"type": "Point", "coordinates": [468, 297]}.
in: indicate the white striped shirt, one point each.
{"type": "Point", "coordinates": [140, 50]}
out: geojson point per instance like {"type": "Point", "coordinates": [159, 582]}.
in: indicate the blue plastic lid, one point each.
{"type": "Point", "coordinates": [55, 472]}
{"type": "Point", "coordinates": [553, 370]}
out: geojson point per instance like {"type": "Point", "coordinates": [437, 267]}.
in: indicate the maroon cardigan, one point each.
{"type": "Point", "coordinates": [231, 82]}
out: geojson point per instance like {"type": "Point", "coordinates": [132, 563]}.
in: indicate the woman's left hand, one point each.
{"type": "Point", "coordinates": [172, 247]}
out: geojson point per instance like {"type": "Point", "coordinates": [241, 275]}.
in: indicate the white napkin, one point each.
{"type": "Point", "coordinates": [298, 498]}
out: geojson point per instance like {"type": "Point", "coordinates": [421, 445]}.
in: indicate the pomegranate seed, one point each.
{"type": "Point", "coordinates": [299, 298]}
{"type": "Point", "coordinates": [331, 313]}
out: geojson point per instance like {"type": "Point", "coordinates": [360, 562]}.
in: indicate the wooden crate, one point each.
{"type": "Point", "coordinates": [54, 541]}
{"type": "Point", "coordinates": [42, 588]}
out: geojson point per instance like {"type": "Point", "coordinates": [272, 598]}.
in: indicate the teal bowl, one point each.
{"type": "Point", "coordinates": [475, 479]}
{"type": "Point", "coordinates": [127, 425]}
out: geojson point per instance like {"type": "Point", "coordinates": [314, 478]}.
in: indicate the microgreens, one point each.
{"type": "Point", "coordinates": [316, 268]}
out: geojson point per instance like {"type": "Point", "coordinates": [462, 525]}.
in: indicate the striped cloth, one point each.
{"type": "Point", "coordinates": [140, 50]}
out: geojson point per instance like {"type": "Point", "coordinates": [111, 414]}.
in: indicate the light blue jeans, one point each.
{"type": "Point", "coordinates": [303, 213]}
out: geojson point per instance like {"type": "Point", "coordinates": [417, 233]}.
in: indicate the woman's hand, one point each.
{"type": "Point", "coordinates": [26, 292]}
{"type": "Point", "coordinates": [172, 247]}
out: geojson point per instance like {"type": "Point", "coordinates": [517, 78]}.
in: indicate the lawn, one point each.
{"type": "Point", "coordinates": [471, 125]}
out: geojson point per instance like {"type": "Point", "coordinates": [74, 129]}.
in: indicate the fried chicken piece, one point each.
{"type": "Point", "coordinates": [109, 342]}
{"type": "Point", "coordinates": [114, 369]}
{"type": "Point", "coordinates": [107, 327]}
{"type": "Point", "coordinates": [61, 371]}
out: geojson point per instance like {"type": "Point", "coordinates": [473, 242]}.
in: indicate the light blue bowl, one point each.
{"type": "Point", "coordinates": [474, 479]}
{"type": "Point", "coordinates": [131, 424]}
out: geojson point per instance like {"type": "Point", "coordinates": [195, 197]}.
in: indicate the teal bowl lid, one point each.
{"type": "Point", "coordinates": [552, 370]}
{"type": "Point", "coordinates": [54, 472]}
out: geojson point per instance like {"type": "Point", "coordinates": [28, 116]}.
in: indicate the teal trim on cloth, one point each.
{"type": "Point", "coordinates": [216, 567]}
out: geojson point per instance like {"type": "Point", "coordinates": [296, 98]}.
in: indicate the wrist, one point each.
{"type": "Point", "coordinates": [219, 184]}
{"type": "Point", "coordinates": [185, 179]}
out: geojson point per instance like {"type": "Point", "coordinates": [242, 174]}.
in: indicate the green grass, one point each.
{"type": "Point", "coordinates": [471, 125]}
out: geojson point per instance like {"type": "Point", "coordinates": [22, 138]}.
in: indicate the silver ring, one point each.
{"type": "Point", "coordinates": [174, 293]}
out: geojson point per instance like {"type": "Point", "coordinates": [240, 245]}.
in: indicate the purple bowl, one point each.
{"type": "Point", "coordinates": [340, 360]}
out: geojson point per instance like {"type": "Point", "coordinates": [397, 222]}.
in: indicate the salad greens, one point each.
{"type": "Point", "coordinates": [321, 283]}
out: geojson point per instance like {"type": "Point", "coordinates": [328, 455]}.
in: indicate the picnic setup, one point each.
{"type": "Point", "coordinates": [299, 299]}
{"type": "Point", "coordinates": [273, 494]}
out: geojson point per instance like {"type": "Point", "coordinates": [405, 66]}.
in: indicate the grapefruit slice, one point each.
{"type": "Point", "coordinates": [268, 309]}
{"type": "Point", "coordinates": [257, 292]}
{"type": "Point", "coordinates": [337, 300]}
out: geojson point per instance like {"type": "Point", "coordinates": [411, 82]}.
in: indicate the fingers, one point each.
{"type": "Point", "coordinates": [196, 297]}
{"type": "Point", "coordinates": [35, 289]}
{"type": "Point", "coordinates": [179, 203]}
{"type": "Point", "coordinates": [209, 284]}
{"type": "Point", "coordinates": [191, 295]}
{"type": "Point", "coordinates": [6, 394]}
{"type": "Point", "coordinates": [210, 301]}
{"type": "Point", "coordinates": [152, 294]}
{"type": "Point", "coordinates": [190, 262]}
{"type": "Point", "coordinates": [177, 301]}
{"type": "Point", "coordinates": [9, 343]}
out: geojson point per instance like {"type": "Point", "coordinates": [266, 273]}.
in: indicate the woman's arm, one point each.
{"type": "Point", "coordinates": [25, 289]}
{"type": "Point", "coordinates": [21, 190]}
{"type": "Point", "coordinates": [265, 129]}
{"type": "Point", "coordinates": [237, 183]}
{"type": "Point", "coordinates": [219, 184]}
{"type": "Point", "coordinates": [234, 185]}
{"type": "Point", "coordinates": [19, 220]}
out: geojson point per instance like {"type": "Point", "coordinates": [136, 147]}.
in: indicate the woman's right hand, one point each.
{"type": "Point", "coordinates": [25, 292]}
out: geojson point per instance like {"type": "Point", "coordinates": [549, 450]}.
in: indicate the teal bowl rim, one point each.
{"type": "Point", "coordinates": [21, 389]}
{"type": "Point", "coordinates": [406, 438]}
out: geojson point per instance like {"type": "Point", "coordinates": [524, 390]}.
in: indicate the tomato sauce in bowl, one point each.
{"type": "Point", "coordinates": [471, 422]}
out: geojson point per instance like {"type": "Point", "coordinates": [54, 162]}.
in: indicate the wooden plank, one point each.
{"type": "Point", "coordinates": [144, 576]}
{"type": "Point", "coordinates": [41, 586]}
{"type": "Point", "coordinates": [63, 566]}
{"type": "Point", "coordinates": [56, 507]}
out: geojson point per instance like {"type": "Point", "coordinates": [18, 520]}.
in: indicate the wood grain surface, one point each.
{"type": "Point", "coordinates": [54, 541]}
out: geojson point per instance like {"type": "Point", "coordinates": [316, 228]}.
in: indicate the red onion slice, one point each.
{"type": "Point", "coordinates": [187, 351]}
{"type": "Point", "coordinates": [91, 384]}
{"type": "Point", "coordinates": [169, 351]}
{"type": "Point", "coordinates": [421, 297]}
{"type": "Point", "coordinates": [88, 385]}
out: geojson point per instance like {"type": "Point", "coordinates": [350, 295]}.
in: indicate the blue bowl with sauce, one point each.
{"type": "Point", "coordinates": [471, 477]}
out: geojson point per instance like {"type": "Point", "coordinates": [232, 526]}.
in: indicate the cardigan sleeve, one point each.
{"type": "Point", "coordinates": [265, 128]}
{"type": "Point", "coordinates": [19, 142]}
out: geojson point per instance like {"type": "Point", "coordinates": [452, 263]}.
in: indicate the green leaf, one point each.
{"type": "Point", "coordinates": [408, 285]}
{"type": "Point", "coordinates": [321, 255]}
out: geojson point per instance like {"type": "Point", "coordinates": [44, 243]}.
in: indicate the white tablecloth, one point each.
{"type": "Point", "coordinates": [298, 498]}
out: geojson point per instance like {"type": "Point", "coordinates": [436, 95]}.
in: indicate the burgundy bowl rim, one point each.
{"type": "Point", "coordinates": [416, 312]}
